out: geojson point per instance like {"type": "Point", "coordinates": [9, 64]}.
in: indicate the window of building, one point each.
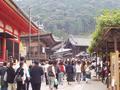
{"type": "Point", "coordinates": [9, 47]}
{"type": "Point", "coordinates": [39, 49]}
{"type": "Point", "coordinates": [16, 50]}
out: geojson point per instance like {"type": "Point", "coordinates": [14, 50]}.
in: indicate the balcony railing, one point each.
{"type": "Point", "coordinates": [36, 56]}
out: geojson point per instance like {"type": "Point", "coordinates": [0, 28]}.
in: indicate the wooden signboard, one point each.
{"type": "Point", "coordinates": [115, 71]}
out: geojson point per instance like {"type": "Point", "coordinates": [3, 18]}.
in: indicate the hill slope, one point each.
{"type": "Point", "coordinates": [67, 16]}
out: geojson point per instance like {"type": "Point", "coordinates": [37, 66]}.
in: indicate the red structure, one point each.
{"type": "Point", "coordinates": [13, 23]}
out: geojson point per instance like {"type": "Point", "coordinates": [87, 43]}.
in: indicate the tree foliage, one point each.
{"type": "Point", "coordinates": [109, 18]}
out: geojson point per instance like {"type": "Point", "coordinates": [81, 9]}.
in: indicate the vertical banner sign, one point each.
{"type": "Point", "coordinates": [43, 49]}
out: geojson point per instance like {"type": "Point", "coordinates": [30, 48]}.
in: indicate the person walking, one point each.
{"type": "Point", "coordinates": [69, 72]}
{"type": "Point", "coordinates": [46, 75]}
{"type": "Point", "coordinates": [51, 75]}
{"type": "Point", "coordinates": [28, 79]}
{"type": "Point", "coordinates": [74, 69]}
{"type": "Point", "coordinates": [61, 73]}
{"type": "Point", "coordinates": [35, 73]}
{"type": "Point", "coordinates": [57, 71]}
{"type": "Point", "coordinates": [78, 71]}
{"type": "Point", "coordinates": [20, 78]}
{"type": "Point", "coordinates": [3, 70]}
{"type": "Point", "coordinates": [11, 77]}
{"type": "Point", "coordinates": [83, 67]}
{"type": "Point", "coordinates": [25, 69]}
{"type": "Point", "coordinates": [88, 72]}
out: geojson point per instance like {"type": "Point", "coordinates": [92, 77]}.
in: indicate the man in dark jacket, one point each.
{"type": "Point", "coordinates": [10, 77]}
{"type": "Point", "coordinates": [36, 72]}
{"type": "Point", "coordinates": [69, 72]}
{"type": "Point", "coordinates": [3, 70]}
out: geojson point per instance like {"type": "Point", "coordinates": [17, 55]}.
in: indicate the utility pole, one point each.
{"type": "Point", "coordinates": [29, 33]}
{"type": "Point", "coordinates": [39, 42]}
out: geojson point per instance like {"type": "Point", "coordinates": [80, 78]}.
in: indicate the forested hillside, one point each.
{"type": "Point", "coordinates": [67, 16]}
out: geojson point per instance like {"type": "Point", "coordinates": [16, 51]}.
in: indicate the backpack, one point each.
{"type": "Point", "coordinates": [3, 76]}
{"type": "Point", "coordinates": [62, 69]}
{"type": "Point", "coordinates": [4, 73]}
{"type": "Point", "coordinates": [50, 72]}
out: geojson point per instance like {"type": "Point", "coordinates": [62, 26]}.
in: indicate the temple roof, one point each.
{"type": "Point", "coordinates": [13, 14]}
{"type": "Point", "coordinates": [47, 38]}
{"type": "Point", "coordinates": [80, 41]}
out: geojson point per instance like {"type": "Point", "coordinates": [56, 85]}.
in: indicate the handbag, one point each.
{"type": "Point", "coordinates": [18, 77]}
{"type": "Point", "coordinates": [55, 82]}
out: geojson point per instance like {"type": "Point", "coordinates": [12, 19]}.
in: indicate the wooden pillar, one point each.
{"type": "Point", "coordinates": [4, 45]}
{"type": "Point", "coordinates": [117, 82]}
{"type": "Point", "coordinates": [4, 49]}
{"type": "Point", "coordinates": [19, 44]}
{"type": "Point", "coordinates": [115, 43]}
{"type": "Point", "coordinates": [117, 71]}
{"type": "Point", "coordinates": [13, 53]}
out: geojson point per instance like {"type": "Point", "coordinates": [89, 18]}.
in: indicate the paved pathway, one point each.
{"type": "Point", "coordinates": [92, 85]}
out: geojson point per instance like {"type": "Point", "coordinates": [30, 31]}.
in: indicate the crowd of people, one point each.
{"type": "Point", "coordinates": [18, 76]}
{"type": "Point", "coordinates": [56, 72]}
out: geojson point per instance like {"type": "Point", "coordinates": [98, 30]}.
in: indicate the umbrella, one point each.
{"type": "Point", "coordinates": [82, 54]}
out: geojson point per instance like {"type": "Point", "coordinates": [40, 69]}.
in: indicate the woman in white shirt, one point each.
{"type": "Point", "coordinates": [78, 71]}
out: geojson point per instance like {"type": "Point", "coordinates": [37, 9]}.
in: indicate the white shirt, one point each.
{"type": "Point", "coordinates": [46, 67]}
{"type": "Point", "coordinates": [78, 68]}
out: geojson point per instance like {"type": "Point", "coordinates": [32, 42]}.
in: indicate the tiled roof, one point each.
{"type": "Point", "coordinates": [80, 41]}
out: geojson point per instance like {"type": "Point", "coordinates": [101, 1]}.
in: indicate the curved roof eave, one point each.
{"type": "Point", "coordinates": [21, 14]}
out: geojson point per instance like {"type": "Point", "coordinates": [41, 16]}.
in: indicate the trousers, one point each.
{"type": "Point", "coordinates": [11, 86]}
{"type": "Point", "coordinates": [36, 86]}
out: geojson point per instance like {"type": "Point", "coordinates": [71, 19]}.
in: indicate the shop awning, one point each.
{"type": "Point", "coordinates": [62, 50]}
{"type": "Point", "coordinates": [6, 35]}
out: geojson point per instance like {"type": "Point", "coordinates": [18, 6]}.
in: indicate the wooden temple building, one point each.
{"type": "Point", "coordinates": [109, 46]}
{"type": "Point", "coordinates": [74, 45]}
{"type": "Point", "coordinates": [13, 24]}
{"type": "Point", "coordinates": [77, 44]}
{"type": "Point", "coordinates": [41, 45]}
